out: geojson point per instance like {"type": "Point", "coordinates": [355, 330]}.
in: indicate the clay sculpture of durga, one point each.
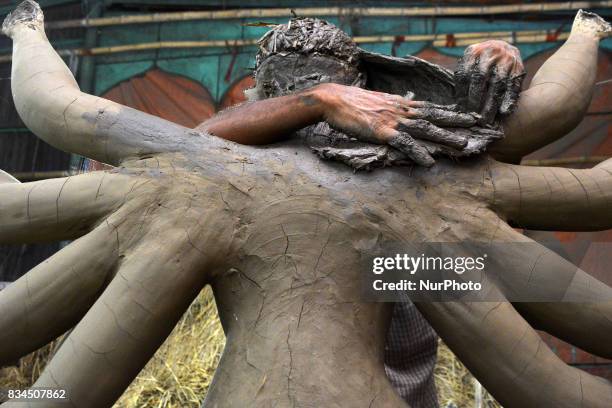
{"type": "Point", "coordinates": [279, 233]}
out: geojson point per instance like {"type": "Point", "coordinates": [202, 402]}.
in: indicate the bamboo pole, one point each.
{"type": "Point", "coordinates": [41, 175]}
{"type": "Point", "coordinates": [329, 11]}
{"type": "Point", "coordinates": [566, 161]}
{"type": "Point", "coordinates": [438, 40]}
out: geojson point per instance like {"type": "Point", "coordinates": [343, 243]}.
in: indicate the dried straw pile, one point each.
{"type": "Point", "coordinates": [180, 372]}
{"type": "Point", "coordinates": [456, 386]}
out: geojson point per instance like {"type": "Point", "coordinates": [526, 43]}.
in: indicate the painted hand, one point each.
{"type": "Point", "coordinates": [392, 119]}
{"type": "Point", "coordinates": [488, 79]}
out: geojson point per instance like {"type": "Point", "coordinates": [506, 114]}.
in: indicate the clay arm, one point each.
{"type": "Point", "coordinates": [369, 116]}
{"type": "Point", "coordinates": [559, 95]}
{"type": "Point", "coordinates": [50, 103]}
{"type": "Point", "coordinates": [53, 296]}
{"type": "Point", "coordinates": [550, 292]}
{"type": "Point", "coordinates": [550, 198]}
{"type": "Point", "coordinates": [510, 359]}
{"type": "Point", "coordinates": [58, 209]}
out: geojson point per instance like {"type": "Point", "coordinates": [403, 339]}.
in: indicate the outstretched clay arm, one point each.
{"type": "Point", "coordinates": [58, 209]}
{"type": "Point", "coordinates": [571, 321]}
{"type": "Point", "coordinates": [559, 95]}
{"type": "Point", "coordinates": [551, 293]}
{"type": "Point", "coordinates": [510, 359]}
{"type": "Point", "coordinates": [552, 198]}
{"type": "Point", "coordinates": [52, 297]}
{"type": "Point", "coordinates": [50, 103]}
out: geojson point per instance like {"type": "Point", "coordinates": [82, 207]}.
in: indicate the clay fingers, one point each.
{"type": "Point", "coordinates": [445, 116]}
{"type": "Point", "coordinates": [488, 84]}
{"type": "Point", "coordinates": [511, 94]}
{"type": "Point", "coordinates": [423, 129]}
{"type": "Point", "coordinates": [472, 77]}
{"type": "Point", "coordinates": [494, 95]}
{"type": "Point", "coordinates": [462, 80]}
{"type": "Point", "coordinates": [403, 142]}
{"type": "Point", "coordinates": [481, 71]}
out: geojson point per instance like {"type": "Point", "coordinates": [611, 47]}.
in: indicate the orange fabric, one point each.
{"type": "Point", "coordinates": [169, 96]}
{"type": "Point", "coordinates": [235, 94]}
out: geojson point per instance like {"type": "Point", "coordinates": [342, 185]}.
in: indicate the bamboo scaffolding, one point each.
{"type": "Point", "coordinates": [438, 40]}
{"type": "Point", "coordinates": [329, 11]}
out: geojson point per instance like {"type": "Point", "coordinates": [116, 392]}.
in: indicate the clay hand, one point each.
{"type": "Point", "coordinates": [392, 119]}
{"type": "Point", "coordinates": [488, 79]}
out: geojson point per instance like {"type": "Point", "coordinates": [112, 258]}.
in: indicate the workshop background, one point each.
{"type": "Point", "coordinates": [185, 60]}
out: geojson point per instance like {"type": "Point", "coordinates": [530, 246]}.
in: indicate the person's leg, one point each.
{"type": "Point", "coordinates": [410, 356]}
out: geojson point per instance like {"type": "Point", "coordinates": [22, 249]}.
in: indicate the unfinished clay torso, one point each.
{"type": "Point", "coordinates": [288, 284]}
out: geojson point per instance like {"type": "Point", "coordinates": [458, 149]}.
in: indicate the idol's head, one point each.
{"type": "Point", "coordinates": [303, 53]}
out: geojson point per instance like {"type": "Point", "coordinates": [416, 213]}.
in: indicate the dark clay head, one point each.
{"type": "Point", "coordinates": [303, 53]}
